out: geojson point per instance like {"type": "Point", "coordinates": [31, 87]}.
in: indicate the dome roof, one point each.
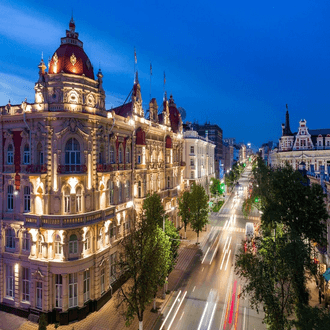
{"type": "Point", "coordinates": [70, 57]}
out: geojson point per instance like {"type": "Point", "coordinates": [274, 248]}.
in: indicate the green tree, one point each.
{"type": "Point", "coordinates": [172, 233]}
{"type": "Point", "coordinates": [42, 322]}
{"type": "Point", "coordinates": [199, 208]}
{"type": "Point", "coordinates": [145, 257]}
{"type": "Point", "coordinates": [215, 187]}
{"type": "Point", "coordinates": [184, 210]}
{"type": "Point", "coordinates": [153, 210]}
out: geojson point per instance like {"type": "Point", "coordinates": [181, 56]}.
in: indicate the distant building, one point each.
{"type": "Point", "coordinates": [265, 150]}
{"type": "Point", "coordinates": [198, 153]}
{"type": "Point", "coordinates": [214, 133]}
{"type": "Point", "coordinates": [228, 151]}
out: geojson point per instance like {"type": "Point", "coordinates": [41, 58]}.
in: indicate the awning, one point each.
{"type": "Point", "coordinates": [326, 275]}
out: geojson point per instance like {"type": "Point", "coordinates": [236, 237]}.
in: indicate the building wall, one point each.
{"type": "Point", "coordinates": [198, 154]}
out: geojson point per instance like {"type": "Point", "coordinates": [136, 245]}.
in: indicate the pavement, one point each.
{"type": "Point", "coordinates": [108, 318]}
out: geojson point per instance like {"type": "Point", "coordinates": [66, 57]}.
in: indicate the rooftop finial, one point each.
{"type": "Point", "coordinates": [72, 25]}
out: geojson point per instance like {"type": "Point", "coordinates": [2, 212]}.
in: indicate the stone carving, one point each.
{"type": "Point", "coordinates": [73, 59]}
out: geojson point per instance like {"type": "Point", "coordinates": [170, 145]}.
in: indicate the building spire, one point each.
{"type": "Point", "coordinates": [286, 128]}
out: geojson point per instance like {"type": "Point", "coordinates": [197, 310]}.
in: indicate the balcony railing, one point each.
{"type": "Point", "coordinates": [34, 168]}
{"type": "Point", "coordinates": [62, 169]}
{"type": "Point", "coordinates": [68, 221]}
{"type": "Point", "coordinates": [113, 167]}
{"type": "Point", "coordinates": [9, 168]}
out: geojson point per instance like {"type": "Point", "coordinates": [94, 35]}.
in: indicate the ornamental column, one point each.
{"type": "Point", "coordinates": [65, 300]}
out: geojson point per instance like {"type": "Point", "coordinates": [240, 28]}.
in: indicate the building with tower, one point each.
{"type": "Point", "coordinates": [73, 176]}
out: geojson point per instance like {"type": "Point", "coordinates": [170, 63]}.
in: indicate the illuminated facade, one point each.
{"type": "Point", "coordinates": [73, 176]}
{"type": "Point", "coordinates": [199, 157]}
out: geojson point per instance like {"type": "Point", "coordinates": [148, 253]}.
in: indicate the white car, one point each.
{"type": "Point", "coordinates": [249, 230]}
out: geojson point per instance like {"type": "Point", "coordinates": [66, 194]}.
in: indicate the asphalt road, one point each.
{"type": "Point", "coordinates": [208, 295]}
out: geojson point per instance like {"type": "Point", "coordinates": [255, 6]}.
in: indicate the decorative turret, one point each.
{"type": "Point", "coordinates": [153, 110]}
{"type": "Point", "coordinates": [175, 117]}
{"type": "Point", "coordinates": [166, 112]}
{"type": "Point", "coordinates": [286, 131]}
{"type": "Point", "coordinates": [136, 98]}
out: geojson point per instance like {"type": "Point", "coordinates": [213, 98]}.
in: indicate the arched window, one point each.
{"type": "Point", "coordinates": [40, 154]}
{"type": "Point", "coordinates": [128, 155]}
{"type": "Point", "coordinates": [100, 238]}
{"type": "Point", "coordinates": [101, 155]}
{"type": "Point", "coordinates": [72, 152]}
{"type": "Point", "coordinates": [10, 198]}
{"type": "Point", "coordinates": [27, 201]}
{"type": "Point", "coordinates": [139, 189]}
{"type": "Point", "coordinates": [120, 155]}
{"type": "Point", "coordinates": [10, 155]}
{"type": "Point", "coordinates": [112, 154]}
{"type": "Point", "coordinates": [78, 199]}
{"type": "Point", "coordinates": [128, 189]}
{"type": "Point", "coordinates": [73, 244]}
{"type": "Point", "coordinates": [10, 238]}
{"type": "Point", "coordinates": [111, 192]}
{"type": "Point", "coordinates": [58, 246]}
{"type": "Point", "coordinates": [26, 154]}
{"type": "Point", "coordinates": [87, 244]}
{"type": "Point", "coordinates": [112, 230]}
{"type": "Point", "coordinates": [102, 280]}
{"type": "Point", "coordinates": [67, 200]}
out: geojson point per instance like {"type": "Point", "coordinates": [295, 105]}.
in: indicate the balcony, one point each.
{"type": "Point", "coordinates": [9, 169]}
{"type": "Point", "coordinates": [113, 167]}
{"type": "Point", "coordinates": [68, 221]}
{"type": "Point", "coordinates": [63, 169]}
{"type": "Point", "coordinates": [172, 192]}
{"type": "Point", "coordinates": [34, 169]}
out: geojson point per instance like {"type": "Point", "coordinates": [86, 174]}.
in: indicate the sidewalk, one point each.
{"type": "Point", "coordinates": [108, 318]}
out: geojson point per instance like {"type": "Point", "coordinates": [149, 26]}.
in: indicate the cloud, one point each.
{"type": "Point", "coordinates": [15, 88]}
{"type": "Point", "coordinates": [18, 25]}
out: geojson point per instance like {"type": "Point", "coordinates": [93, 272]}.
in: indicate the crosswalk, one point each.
{"type": "Point", "coordinates": [236, 229]}
{"type": "Point", "coordinates": [238, 216]}
{"type": "Point", "coordinates": [184, 258]}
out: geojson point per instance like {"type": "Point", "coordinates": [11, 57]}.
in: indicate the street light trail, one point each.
{"type": "Point", "coordinates": [201, 321]}
{"type": "Point", "coordinates": [228, 260]}
{"type": "Point", "coordinates": [177, 310]}
{"type": "Point", "coordinates": [224, 256]}
{"type": "Point", "coordinates": [211, 319]}
{"type": "Point", "coordinates": [244, 318]}
{"type": "Point", "coordinates": [206, 254]}
{"type": "Point", "coordinates": [170, 311]}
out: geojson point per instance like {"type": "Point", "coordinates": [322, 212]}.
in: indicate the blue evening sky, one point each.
{"type": "Point", "coordinates": [233, 63]}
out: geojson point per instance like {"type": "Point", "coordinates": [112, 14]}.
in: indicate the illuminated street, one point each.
{"type": "Point", "coordinates": [208, 296]}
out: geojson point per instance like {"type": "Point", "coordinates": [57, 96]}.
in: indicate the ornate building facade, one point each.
{"type": "Point", "coordinates": [198, 154]}
{"type": "Point", "coordinates": [73, 176]}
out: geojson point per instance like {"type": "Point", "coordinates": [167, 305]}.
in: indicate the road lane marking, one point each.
{"type": "Point", "coordinates": [206, 254]}
{"type": "Point", "coordinates": [200, 323]}
{"type": "Point", "coordinates": [170, 310]}
{"type": "Point", "coordinates": [177, 310]}
{"type": "Point", "coordinates": [228, 260]}
{"type": "Point", "coordinates": [194, 288]}
{"type": "Point", "coordinates": [226, 243]}
{"type": "Point", "coordinates": [181, 316]}
{"type": "Point", "coordinates": [203, 269]}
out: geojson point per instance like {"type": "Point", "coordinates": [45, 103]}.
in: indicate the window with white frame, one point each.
{"type": "Point", "coordinates": [25, 241]}
{"type": "Point", "coordinates": [67, 200]}
{"type": "Point", "coordinates": [102, 280]}
{"type": "Point", "coordinates": [72, 153]}
{"type": "Point", "coordinates": [191, 162]}
{"type": "Point", "coordinates": [58, 290]}
{"type": "Point", "coordinates": [120, 155]}
{"type": "Point", "coordinates": [191, 175]}
{"type": "Point", "coordinates": [10, 155]}
{"type": "Point", "coordinates": [58, 245]}
{"type": "Point", "coordinates": [113, 260]}
{"type": "Point", "coordinates": [112, 229]}
{"type": "Point", "coordinates": [39, 294]}
{"type": "Point", "coordinates": [128, 189]}
{"type": "Point", "coordinates": [10, 238]}
{"type": "Point", "coordinates": [10, 281]}
{"type": "Point", "coordinates": [86, 284]}
{"type": "Point", "coordinates": [10, 198]}
{"type": "Point", "coordinates": [112, 154]}
{"type": "Point", "coordinates": [73, 244]}
{"type": "Point", "coordinates": [120, 193]}
{"type": "Point", "coordinates": [111, 192]}
{"type": "Point", "coordinates": [192, 150]}
{"type": "Point", "coordinates": [87, 244]}
{"type": "Point", "coordinates": [128, 155]}
{"type": "Point", "coordinates": [73, 290]}
{"type": "Point", "coordinates": [139, 159]}
{"type": "Point", "coordinates": [27, 199]}
{"type": "Point", "coordinates": [26, 284]}
{"type": "Point", "coordinates": [78, 199]}
{"type": "Point", "coordinates": [40, 154]}
{"type": "Point", "coordinates": [26, 154]}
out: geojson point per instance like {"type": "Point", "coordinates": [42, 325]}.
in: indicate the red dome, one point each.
{"type": "Point", "coordinates": [70, 57]}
